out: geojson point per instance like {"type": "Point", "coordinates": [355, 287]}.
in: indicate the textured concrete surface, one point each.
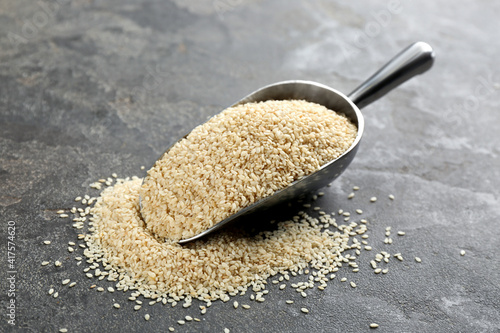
{"type": "Point", "coordinates": [88, 88]}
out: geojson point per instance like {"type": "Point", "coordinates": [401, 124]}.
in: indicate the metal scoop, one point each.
{"type": "Point", "coordinates": [415, 59]}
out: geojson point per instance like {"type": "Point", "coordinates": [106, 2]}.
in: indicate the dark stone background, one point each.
{"type": "Point", "coordinates": [88, 88]}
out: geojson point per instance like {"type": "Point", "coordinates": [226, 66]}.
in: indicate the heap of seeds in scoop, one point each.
{"type": "Point", "coordinates": [238, 157]}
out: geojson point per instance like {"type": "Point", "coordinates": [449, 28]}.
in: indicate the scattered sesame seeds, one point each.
{"type": "Point", "coordinates": [289, 301]}
{"type": "Point", "coordinates": [226, 330]}
{"type": "Point", "coordinates": [66, 281]}
{"type": "Point", "coordinates": [235, 304]}
{"type": "Point", "coordinates": [57, 263]}
{"type": "Point", "coordinates": [351, 195]}
{"type": "Point", "coordinates": [147, 316]}
{"type": "Point", "coordinates": [355, 188]}
{"type": "Point", "coordinates": [63, 330]}
{"type": "Point", "coordinates": [63, 215]}
{"type": "Point", "coordinates": [171, 329]}
{"type": "Point", "coordinates": [116, 306]}
{"type": "Point", "coordinates": [45, 263]}
{"type": "Point", "coordinates": [111, 290]}
{"type": "Point", "coordinates": [344, 279]}
{"type": "Point", "coordinates": [72, 284]}
{"type": "Point", "coordinates": [391, 196]}
{"type": "Point", "coordinates": [417, 259]}
{"type": "Point", "coordinates": [137, 307]}
{"type": "Point", "coordinates": [188, 318]}
{"type": "Point", "coordinates": [462, 253]}
{"type": "Point", "coordinates": [245, 306]}
{"type": "Point", "coordinates": [181, 322]}
{"type": "Point", "coordinates": [305, 310]}
{"type": "Point", "coordinates": [78, 199]}
{"type": "Point", "coordinates": [401, 233]}
{"type": "Point", "coordinates": [368, 248]}
{"type": "Point", "coordinates": [353, 284]}
{"type": "Point", "coordinates": [373, 199]}
{"type": "Point", "coordinates": [143, 167]}
{"type": "Point", "coordinates": [55, 295]}
{"type": "Point", "coordinates": [359, 211]}
{"type": "Point", "coordinates": [373, 325]}
{"type": "Point", "coordinates": [385, 270]}
{"type": "Point", "coordinates": [47, 242]}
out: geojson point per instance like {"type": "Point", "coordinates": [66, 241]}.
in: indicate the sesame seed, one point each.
{"type": "Point", "coordinates": [171, 329]}
{"type": "Point", "coordinates": [289, 302]}
{"type": "Point", "coordinates": [63, 215]}
{"type": "Point", "coordinates": [378, 270]}
{"type": "Point", "coordinates": [116, 306]}
{"type": "Point", "coordinates": [55, 295]}
{"type": "Point", "coordinates": [78, 198]}
{"type": "Point", "coordinates": [373, 325]}
{"type": "Point", "coordinates": [344, 279]}
{"type": "Point", "coordinates": [401, 233]}
{"type": "Point", "coordinates": [245, 306]}
{"type": "Point", "coordinates": [353, 284]}
{"type": "Point", "coordinates": [305, 310]}
{"type": "Point", "coordinates": [373, 199]}
{"type": "Point", "coordinates": [391, 196]}
{"type": "Point", "coordinates": [51, 291]}
{"type": "Point", "coordinates": [462, 253]}
{"type": "Point", "coordinates": [226, 330]}
{"type": "Point", "coordinates": [60, 211]}
{"type": "Point", "coordinates": [351, 195]}
{"type": "Point", "coordinates": [188, 318]}
{"type": "Point", "coordinates": [143, 167]}
{"type": "Point", "coordinates": [355, 188]}
{"type": "Point", "coordinates": [368, 248]}
{"type": "Point", "coordinates": [147, 316]}
{"type": "Point", "coordinates": [47, 242]}
{"type": "Point", "coordinates": [385, 271]}
{"type": "Point", "coordinates": [137, 307]}
{"type": "Point", "coordinates": [181, 322]}
{"type": "Point", "coordinates": [66, 281]}
{"type": "Point", "coordinates": [283, 286]}
{"type": "Point", "coordinates": [417, 259]}
{"type": "Point", "coordinates": [57, 263]}
{"type": "Point", "coordinates": [359, 211]}
{"type": "Point", "coordinates": [235, 304]}
{"type": "Point", "coordinates": [72, 284]}
{"type": "Point", "coordinates": [111, 290]}
{"type": "Point", "coordinates": [63, 330]}
{"type": "Point", "coordinates": [45, 263]}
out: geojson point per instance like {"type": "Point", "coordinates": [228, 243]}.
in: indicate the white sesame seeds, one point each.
{"type": "Point", "coordinates": [147, 316]}
{"type": "Point", "coordinates": [351, 195]}
{"type": "Point", "coordinates": [181, 322]}
{"type": "Point", "coordinates": [78, 199]}
{"type": "Point", "coordinates": [462, 253]}
{"type": "Point", "coordinates": [72, 284]}
{"type": "Point", "coordinates": [344, 279]}
{"type": "Point", "coordinates": [111, 290]}
{"type": "Point", "coordinates": [57, 263]}
{"type": "Point", "coordinates": [289, 302]}
{"type": "Point", "coordinates": [188, 318]}
{"type": "Point", "coordinates": [401, 233]}
{"type": "Point", "coordinates": [51, 291]}
{"type": "Point", "coordinates": [304, 310]}
{"type": "Point", "coordinates": [116, 306]}
{"type": "Point", "coordinates": [66, 281]}
{"type": "Point", "coordinates": [391, 196]}
{"type": "Point", "coordinates": [47, 242]}
{"type": "Point", "coordinates": [63, 330]}
{"type": "Point", "coordinates": [373, 199]}
{"type": "Point", "coordinates": [171, 329]}
{"type": "Point", "coordinates": [63, 215]}
{"type": "Point", "coordinates": [355, 188]}
{"type": "Point", "coordinates": [245, 306]}
{"type": "Point", "coordinates": [373, 325]}
{"type": "Point", "coordinates": [45, 263]}
{"type": "Point", "coordinates": [417, 259]}
{"type": "Point", "coordinates": [359, 211]}
{"type": "Point", "coordinates": [353, 284]}
{"type": "Point", "coordinates": [226, 330]}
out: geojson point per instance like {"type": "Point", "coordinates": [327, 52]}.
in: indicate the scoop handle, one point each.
{"type": "Point", "coordinates": [415, 59]}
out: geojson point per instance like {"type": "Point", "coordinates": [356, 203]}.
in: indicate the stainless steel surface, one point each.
{"type": "Point", "coordinates": [413, 60]}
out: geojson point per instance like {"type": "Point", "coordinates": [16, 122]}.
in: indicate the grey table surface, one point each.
{"type": "Point", "coordinates": [91, 87]}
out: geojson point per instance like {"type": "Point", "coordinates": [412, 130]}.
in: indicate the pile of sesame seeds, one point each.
{"type": "Point", "coordinates": [243, 154]}
{"type": "Point", "coordinates": [108, 232]}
